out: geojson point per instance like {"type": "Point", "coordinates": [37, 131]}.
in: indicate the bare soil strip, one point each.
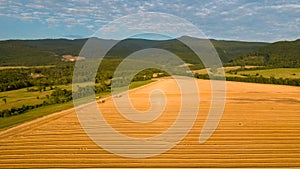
{"type": "Point", "coordinates": [260, 128]}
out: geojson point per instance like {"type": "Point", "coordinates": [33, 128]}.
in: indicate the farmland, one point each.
{"type": "Point", "coordinates": [276, 73]}
{"type": "Point", "coordinates": [292, 73]}
{"type": "Point", "coordinates": [17, 98]}
{"type": "Point", "coordinates": [254, 74]}
{"type": "Point", "coordinates": [40, 129]}
{"type": "Point", "coordinates": [259, 128]}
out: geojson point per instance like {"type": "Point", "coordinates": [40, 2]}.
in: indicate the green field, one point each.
{"type": "Point", "coordinates": [139, 83]}
{"type": "Point", "coordinates": [291, 73]}
{"type": "Point", "coordinates": [276, 73]}
{"type": "Point", "coordinates": [33, 114]}
{"type": "Point", "coordinates": [21, 97]}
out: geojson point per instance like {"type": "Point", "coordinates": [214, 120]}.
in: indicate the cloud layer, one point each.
{"type": "Point", "coordinates": [222, 19]}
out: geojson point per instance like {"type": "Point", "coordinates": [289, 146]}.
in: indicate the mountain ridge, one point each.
{"type": "Point", "coordinates": [278, 54]}
{"type": "Point", "coordinates": [49, 51]}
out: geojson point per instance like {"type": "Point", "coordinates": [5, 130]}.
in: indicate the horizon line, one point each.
{"type": "Point", "coordinates": [141, 38]}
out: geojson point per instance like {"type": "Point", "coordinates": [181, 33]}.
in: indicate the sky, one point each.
{"type": "Point", "coordinates": [242, 20]}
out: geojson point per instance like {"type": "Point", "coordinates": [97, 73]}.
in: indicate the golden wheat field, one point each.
{"type": "Point", "coordinates": [260, 128]}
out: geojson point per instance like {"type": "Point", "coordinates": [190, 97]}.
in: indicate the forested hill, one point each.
{"type": "Point", "coordinates": [37, 52]}
{"type": "Point", "coordinates": [227, 50]}
{"type": "Point", "coordinates": [50, 51]}
{"type": "Point", "coordinates": [278, 54]}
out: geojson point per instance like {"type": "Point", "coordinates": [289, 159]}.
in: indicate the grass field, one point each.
{"type": "Point", "coordinates": [259, 129]}
{"type": "Point", "coordinates": [33, 114]}
{"type": "Point", "coordinates": [276, 73]}
{"type": "Point", "coordinates": [19, 97]}
{"type": "Point", "coordinates": [226, 69]}
{"type": "Point", "coordinates": [139, 83]}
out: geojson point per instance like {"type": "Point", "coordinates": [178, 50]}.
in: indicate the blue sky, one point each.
{"type": "Point", "coordinates": [246, 20]}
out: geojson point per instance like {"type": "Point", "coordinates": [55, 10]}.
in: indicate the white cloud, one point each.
{"type": "Point", "coordinates": [69, 26]}
{"type": "Point", "coordinates": [231, 19]}
{"type": "Point", "coordinates": [64, 15]}
{"type": "Point", "coordinates": [52, 20]}
{"type": "Point", "coordinates": [90, 26]}
{"type": "Point", "coordinates": [213, 16]}
{"type": "Point", "coordinates": [6, 15]}
{"type": "Point", "coordinates": [201, 14]}
{"type": "Point", "coordinates": [35, 6]}
{"type": "Point", "coordinates": [81, 1]}
{"type": "Point", "coordinates": [100, 21]}
{"type": "Point", "coordinates": [83, 20]}
{"type": "Point", "coordinates": [285, 6]}
{"type": "Point", "coordinates": [40, 13]}
{"type": "Point", "coordinates": [189, 7]}
{"type": "Point", "coordinates": [27, 16]}
{"type": "Point", "coordinates": [149, 4]}
{"type": "Point", "coordinates": [289, 8]}
{"type": "Point", "coordinates": [70, 20]}
{"type": "Point", "coordinates": [204, 12]}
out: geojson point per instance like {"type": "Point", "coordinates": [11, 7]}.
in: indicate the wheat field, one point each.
{"type": "Point", "coordinates": [260, 128]}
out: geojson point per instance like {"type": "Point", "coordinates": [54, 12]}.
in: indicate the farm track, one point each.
{"type": "Point", "coordinates": [260, 128]}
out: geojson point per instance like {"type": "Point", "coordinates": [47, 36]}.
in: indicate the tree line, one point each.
{"type": "Point", "coordinates": [59, 75]}
{"type": "Point", "coordinates": [255, 79]}
{"type": "Point", "coordinates": [56, 97]}
{"type": "Point", "coordinates": [12, 79]}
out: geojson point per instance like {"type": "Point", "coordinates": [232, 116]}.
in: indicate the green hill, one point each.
{"type": "Point", "coordinates": [49, 51]}
{"type": "Point", "coordinates": [37, 52]}
{"type": "Point", "coordinates": [19, 55]}
{"type": "Point", "coordinates": [227, 50]}
{"type": "Point", "coordinates": [278, 54]}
